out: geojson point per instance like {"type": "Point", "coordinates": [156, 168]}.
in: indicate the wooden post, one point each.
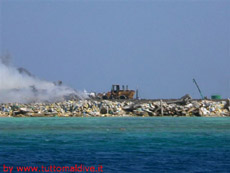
{"type": "Point", "coordinates": [137, 94]}
{"type": "Point", "coordinates": [162, 109]}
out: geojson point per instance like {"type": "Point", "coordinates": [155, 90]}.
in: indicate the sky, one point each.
{"type": "Point", "coordinates": [155, 46]}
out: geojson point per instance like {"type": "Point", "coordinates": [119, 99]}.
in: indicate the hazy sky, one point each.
{"type": "Point", "coordinates": [157, 46]}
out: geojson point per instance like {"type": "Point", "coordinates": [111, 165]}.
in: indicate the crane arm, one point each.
{"type": "Point", "coordinates": [198, 88]}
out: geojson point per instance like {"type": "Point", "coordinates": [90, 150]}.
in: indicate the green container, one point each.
{"type": "Point", "coordinates": [216, 97]}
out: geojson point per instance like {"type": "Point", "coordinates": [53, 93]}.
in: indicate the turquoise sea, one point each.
{"type": "Point", "coordinates": [164, 144]}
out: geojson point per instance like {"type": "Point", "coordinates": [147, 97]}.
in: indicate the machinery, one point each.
{"type": "Point", "coordinates": [202, 97]}
{"type": "Point", "coordinates": [118, 93]}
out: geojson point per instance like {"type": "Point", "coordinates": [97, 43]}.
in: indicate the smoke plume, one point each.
{"type": "Point", "coordinates": [19, 85]}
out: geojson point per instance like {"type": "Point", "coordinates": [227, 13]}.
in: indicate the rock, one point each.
{"type": "Point", "coordinates": [186, 99]}
{"type": "Point", "coordinates": [103, 110]}
{"type": "Point", "coordinates": [227, 105]}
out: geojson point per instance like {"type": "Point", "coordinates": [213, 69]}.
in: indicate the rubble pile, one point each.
{"type": "Point", "coordinates": [69, 108]}
{"type": "Point", "coordinates": [99, 108]}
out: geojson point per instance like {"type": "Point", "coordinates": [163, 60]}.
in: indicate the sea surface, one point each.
{"type": "Point", "coordinates": [124, 144]}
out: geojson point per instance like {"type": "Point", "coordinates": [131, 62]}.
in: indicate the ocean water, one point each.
{"type": "Point", "coordinates": [164, 144]}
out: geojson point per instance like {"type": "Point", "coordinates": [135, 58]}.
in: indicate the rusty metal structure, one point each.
{"type": "Point", "coordinates": [118, 93]}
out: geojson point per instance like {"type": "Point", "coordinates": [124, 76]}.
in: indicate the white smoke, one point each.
{"type": "Point", "coordinates": [18, 85]}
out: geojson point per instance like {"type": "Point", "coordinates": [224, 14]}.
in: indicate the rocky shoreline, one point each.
{"type": "Point", "coordinates": [118, 108]}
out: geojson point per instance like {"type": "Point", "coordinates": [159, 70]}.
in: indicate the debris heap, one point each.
{"type": "Point", "coordinates": [99, 108]}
